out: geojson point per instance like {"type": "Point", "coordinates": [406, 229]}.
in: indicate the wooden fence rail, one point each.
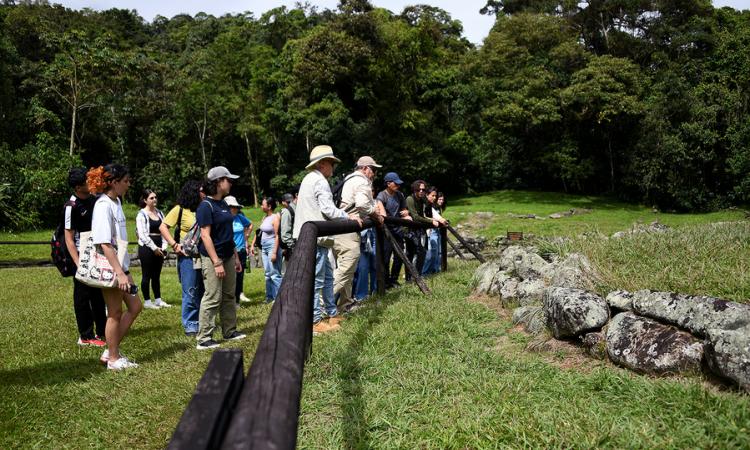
{"type": "Point", "coordinates": [266, 415]}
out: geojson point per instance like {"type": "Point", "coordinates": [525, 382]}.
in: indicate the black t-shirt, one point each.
{"type": "Point", "coordinates": [218, 215]}
{"type": "Point", "coordinates": [78, 215]}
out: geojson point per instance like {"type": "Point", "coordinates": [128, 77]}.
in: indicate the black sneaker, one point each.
{"type": "Point", "coordinates": [207, 344]}
{"type": "Point", "coordinates": [235, 336]}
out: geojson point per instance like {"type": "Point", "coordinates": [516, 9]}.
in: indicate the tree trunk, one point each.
{"type": "Point", "coordinates": [73, 127]}
{"type": "Point", "coordinates": [611, 166]}
{"type": "Point", "coordinates": [201, 127]}
{"type": "Point", "coordinates": [253, 171]}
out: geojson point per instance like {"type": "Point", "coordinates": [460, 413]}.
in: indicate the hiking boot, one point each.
{"type": "Point", "coordinates": [335, 320]}
{"type": "Point", "coordinates": [96, 342]}
{"type": "Point", "coordinates": [235, 336]}
{"type": "Point", "coordinates": [148, 304]}
{"type": "Point", "coordinates": [324, 327]}
{"type": "Point", "coordinates": [209, 344]}
{"type": "Point", "coordinates": [161, 303]}
{"type": "Point", "coordinates": [121, 364]}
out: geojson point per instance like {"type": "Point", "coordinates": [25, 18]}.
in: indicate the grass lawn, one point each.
{"type": "Point", "coordinates": [607, 216]}
{"type": "Point", "coordinates": [446, 371]}
{"type": "Point", "coordinates": [438, 372]}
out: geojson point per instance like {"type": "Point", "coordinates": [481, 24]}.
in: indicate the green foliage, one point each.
{"type": "Point", "coordinates": [643, 100]}
{"type": "Point", "coordinates": [36, 177]}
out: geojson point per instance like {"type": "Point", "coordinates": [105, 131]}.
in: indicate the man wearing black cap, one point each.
{"type": "Point", "coordinates": [394, 203]}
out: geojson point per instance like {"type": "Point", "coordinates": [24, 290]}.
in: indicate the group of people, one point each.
{"type": "Point", "coordinates": [211, 272]}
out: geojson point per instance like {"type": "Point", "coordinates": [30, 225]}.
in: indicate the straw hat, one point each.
{"type": "Point", "coordinates": [320, 153]}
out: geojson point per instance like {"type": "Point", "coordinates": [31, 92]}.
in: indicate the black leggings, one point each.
{"type": "Point", "coordinates": [151, 267]}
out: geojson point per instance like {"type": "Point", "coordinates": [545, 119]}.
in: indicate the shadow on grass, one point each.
{"type": "Point", "coordinates": [354, 425]}
{"type": "Point", "coordinates": [72, 371]}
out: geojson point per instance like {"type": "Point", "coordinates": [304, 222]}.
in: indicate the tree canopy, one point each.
{"type": "Point", "coordinates": [647, 100]}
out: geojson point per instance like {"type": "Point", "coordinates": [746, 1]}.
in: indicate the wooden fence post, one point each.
{"type": "Point", "coordinates": [443, 249]}
{"type": "Point", "coordinates": [466, 244]}
{"type": "Point", "coordinates": [380, 258]}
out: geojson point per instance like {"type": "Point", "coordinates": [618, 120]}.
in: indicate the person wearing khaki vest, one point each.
{"type": "Point", "coordinates": [356, 197]}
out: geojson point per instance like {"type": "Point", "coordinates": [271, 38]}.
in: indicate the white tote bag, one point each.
{"type": "Point", "coordinates": [93, 267]}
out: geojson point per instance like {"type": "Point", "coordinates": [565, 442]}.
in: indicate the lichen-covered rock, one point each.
{"type": "Point", "coordinates": [484, 275]}
{"type": "Point", "coordinates": [622, 300]}
{"type": "Point", "coordinates": [595, 344]}
{"type": "Point", "coordinates": [647, 346]}
{"type": "Point", "coordinates": [572, 272]}
{"type": "Point", "coordinates": [571, 312]}
{"type": "Point", "coordinates": [509, 256]}
{"type": "Point", "coordinates": [531, 317]}
{"type": "Point", "coordinates": [509, 291]}
{"type": "Point", "coordinates": [532, 266]}
{"type": "Point", "coordinates": [696, 314]}
{"type": "Point", "coordinates": [728, 354]}
{"type": "Point", "coordinates": [497, 282]}
{"type": "Point", "coordinates": [530, 292]}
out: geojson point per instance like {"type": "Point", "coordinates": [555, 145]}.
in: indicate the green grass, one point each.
{"type": "Point", "coordinates": [412, 372]}
{"type": "Point", "coordinates": [441, 372]}
{"type": "Point", "coordinates": [607, 216]}
{"type": "Point", "coordinates": [706, 259]}
{"type": "Point", "coordinates": [57, 395]}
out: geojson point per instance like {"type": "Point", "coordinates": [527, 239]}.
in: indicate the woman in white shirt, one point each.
{"type": "Point", "coordinates": [151, 249]}
{"type": "Point", "coordinates": [432, 260]}
{"type": "Point", "coordinates": [107, 227]}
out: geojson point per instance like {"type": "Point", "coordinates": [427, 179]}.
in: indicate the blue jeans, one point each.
{"type": "Point", "coordinates": [432, 260]}
{"type": "Point", "coordinates": [272, 269]}
{"type": "Point", "coordinates": [365, 280]}
{"type": "Point", "coordinates": [323, 286]}
{"type": "Point", "coordinates": [192, 292]}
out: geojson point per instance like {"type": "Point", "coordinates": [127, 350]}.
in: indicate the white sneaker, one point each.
{"type": "Point", "coordinates": [244, 299]}
{"type": "Point", "coordinates": [105, 356]}
{"type": "Point", "coordinates": [161, 303]}
{"type": "Point", "coordinates": [121, 364]}
{"type": "Point", "coordinates": [148, 304]}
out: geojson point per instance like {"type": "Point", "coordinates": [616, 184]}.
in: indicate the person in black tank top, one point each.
{"type": "Point", "coordinates": [151, 249]}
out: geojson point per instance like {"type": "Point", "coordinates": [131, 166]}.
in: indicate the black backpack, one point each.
{"type": "Point", "coordinates": [59, 250]}
{"type": "Point", "coordinates": [338, 189]}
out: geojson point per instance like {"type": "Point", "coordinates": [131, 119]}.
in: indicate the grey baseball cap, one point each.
{"type": "Point", "coordinates": [220, 172]}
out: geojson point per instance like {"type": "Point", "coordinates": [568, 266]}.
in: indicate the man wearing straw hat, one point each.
{"type": "Point", "coordinates": [315, 202]}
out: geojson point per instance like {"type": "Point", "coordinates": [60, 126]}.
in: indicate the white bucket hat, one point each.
{"type": "Point", "coordinates": [231, 201]}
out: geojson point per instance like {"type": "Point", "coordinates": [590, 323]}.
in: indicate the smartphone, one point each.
{"type": "Point", "coordinates": [133, 289]}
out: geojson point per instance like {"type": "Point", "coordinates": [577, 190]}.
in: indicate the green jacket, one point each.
{"type": "Point", "coordinates": [416, 210]}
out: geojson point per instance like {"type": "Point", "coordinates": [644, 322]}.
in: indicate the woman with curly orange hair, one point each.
{"type": "Point", "coordinates": [107, 227]}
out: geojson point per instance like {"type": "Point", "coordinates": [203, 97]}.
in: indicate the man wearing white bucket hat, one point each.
{"type": "Point", "coordinates": [315, 202]}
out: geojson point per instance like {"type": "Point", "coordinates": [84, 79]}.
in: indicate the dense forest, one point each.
{"type": "Point", "coordinates": [646, 100]}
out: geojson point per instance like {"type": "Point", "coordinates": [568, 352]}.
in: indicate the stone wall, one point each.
{"type": "Point", "coordinates": [645, 331]}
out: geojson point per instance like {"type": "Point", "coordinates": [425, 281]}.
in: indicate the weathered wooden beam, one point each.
{"type": "Point", "coordinates": [466, 244]}
{"type": "Point", "coordinates": [204, 422]}
{"type": "Point", "coordinates": [454, 247]}
{"type": "Point", "coordinates": [407, 263]}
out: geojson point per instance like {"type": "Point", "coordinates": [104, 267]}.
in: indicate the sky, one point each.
{"type": "Point", "coordinates": [476, 26]}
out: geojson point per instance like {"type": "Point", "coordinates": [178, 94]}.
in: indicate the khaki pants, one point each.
{"type": "Point", "coordinates": [218, 298]}
{"type": "Point", "coordinates": [346, 252]}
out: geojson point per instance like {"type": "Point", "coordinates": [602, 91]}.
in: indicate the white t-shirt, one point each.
{"type": "Point", "coordinates": [108, 224]}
